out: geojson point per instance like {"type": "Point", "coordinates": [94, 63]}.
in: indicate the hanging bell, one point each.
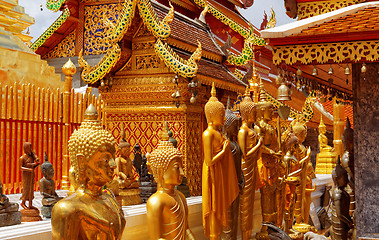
{"type": "Point", "coordinates": [284, 92]}
{"type": "Point", "coordinates": [347, 70]}
{"type": "Point", "coordinates": [330, 71]}
{"type": "Point", "coordinates": [177, 94]}
{"type": "Point", "coordinates": [314, 71]}
{"type": "Point", "coordinates": [363, 69]}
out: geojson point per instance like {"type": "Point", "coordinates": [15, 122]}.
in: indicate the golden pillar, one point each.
{"type": "Point", "coordinates": [68, 70]}
{"type": "Point", "coordinates": [338, 126]}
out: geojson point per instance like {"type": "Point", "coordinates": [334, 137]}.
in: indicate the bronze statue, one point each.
{"type": "Point", "coordinates": [28, 163]}
{"type": "Point", "coordinates": [167, 211]}
{"type": "Point", "coordinates": [9, 214]}
{"type": "Point", "coordinates": [219, 180]}
{"type": "Point", "coordinates": [126, 175]}
{"type": "Point", "coordinates": [250, 143]}
{"type": "Point", "coordinates": [230, 131]}
{"type": "Point", "coordinates": [47, 188]}
{"type": "Point", "coordinates": [341, 220]}
{"type": "Point", "coordinates": [89, 213]}
{"type": "Point", "coordinates": [347, 160]}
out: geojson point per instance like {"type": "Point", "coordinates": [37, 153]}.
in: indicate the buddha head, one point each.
{"type": "Point", "coordinates": [231, 124]}
{"type": "Point", "coordinates": [124, 146]}
{"type": "Point", "coordinates": [300, 131]}
{"type": "Point", "coordinates": [348, 137]}
{"type": "Point", "coordinates": [27, 148]}
{"type": "Point", "coordinates": [47, 169]}
{"type": "Point", "coordinates": [248, 108]}
{"type": "Point", "coordinates": [214, 110]}
{"type": "Point", "coordinates": [91, 151]}
{"type": "Point", "coordinates": [166, 163]}
{"type": "Point", "coordinates": [339, 175]}
{"type": "Point", "coordinates": [265, 109]}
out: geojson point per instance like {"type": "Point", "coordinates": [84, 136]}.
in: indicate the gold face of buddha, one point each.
{"type": "Point", "coordinates": [218, 120]}
{"type": "Point", "coordinates": [174, 174]}
{"type": "Point", "coordinates": [125, 151]}
{"type": "Point", "coordinates": [267, 113]}
{"type": "Point", "coordinates": [100, 167]}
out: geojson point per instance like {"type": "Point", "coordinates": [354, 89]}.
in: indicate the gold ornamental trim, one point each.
{"type": "Point", "coordinates": [310, 9]}
{"type": "Point", "coordinates": [325, 52]}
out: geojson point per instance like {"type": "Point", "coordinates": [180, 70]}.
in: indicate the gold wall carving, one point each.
{"type": "Point", "coordinates": [66, 48]}
{"type": "Point", "coordinates": [327, 52]}
{"type": "Point", "coordinates": [310, 9]}
{"type": "Point", "coordinates": [98, 19]}
{"type": "Point", "coordinates": [147, 61]}
{"type": "Point", "coordinates": [143, 45]}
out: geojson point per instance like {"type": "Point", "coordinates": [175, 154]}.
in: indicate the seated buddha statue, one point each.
{"type": "Point", "coordinates": [327, 157]}
{"type": "Point", "coordinates": [9, 214]}
{"type": "Point", "coordinates": [89, 213]}
{"type": "Point", "coordinates": [47, 188]}
{"type": "Point", "coordinates": [126, 175]}
{"type": "Point", "coordinates": [322, 139]}
{"type": "Point", "coordinates": [167, 211]}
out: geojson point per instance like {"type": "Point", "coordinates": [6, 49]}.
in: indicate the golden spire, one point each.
{"type": "Point", "coordinates": [228, 105]}
{"type": "Point", "coordinates": [321, 123]}
{"type": "Point", "coordinates": [247, 92]}
{"type": "Point", "coordinates": [262, 91]}
{"type": "Point", "coordinates": [164, 132]}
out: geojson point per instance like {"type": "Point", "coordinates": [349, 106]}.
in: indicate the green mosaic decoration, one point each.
{"type": "Point", "coordinates": [185, 68]}
{"type": "Point", "coordinates": [54, 5]}
{"type": "Point", "coordinates": [160, 29]}
{"type": "Point", "coordinates": [57, 24]}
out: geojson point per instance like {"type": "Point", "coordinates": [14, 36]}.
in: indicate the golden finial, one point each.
{"type": "Point", "coordinates": [228, 106]}
{"type": "Point", "coordinates": [262, 91]}
{"type": "Point", "coordinates": [247, 92]}
{"type": "Point", "coordinates": [213, 91]}
{"type": "Point", "coordinates": [122, 133]}
{"type": "Point", "coordinates": [69, 68]}
{"type": "Point", "coordinates": [164, 132]}
{"type": "Point", "coordinates": [321, 123]}
{"type": "Point", "coordinates": [91, 113]}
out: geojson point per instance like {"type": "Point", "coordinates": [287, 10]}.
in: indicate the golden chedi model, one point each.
{"type": "Point", "coordinates": [268, 164]}
{"type": "Point", "coordinates": [47, 188]}
{"type": "Point", "coordinates": [231, 127]}
{"type": "Point", "coordinates": [341, 220]}
{"type": "Point", "coordinates": [126, 175]}
{"type": "Point", "coordinates": [250, 143]}
{"type": "Point", "coordinates": [28, 163]}
{"type": "Point", "coordinates": [327, 158]}
{"type": "Point", "coordinates": [219, 181]}
{"type": "Point", "coordinates": [9, 214]}
{"type": "Point", "coordinates": [167, 211]}
{"type": "Point", "coordinates": [89, 213]}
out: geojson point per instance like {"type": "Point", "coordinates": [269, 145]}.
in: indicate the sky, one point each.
{"type": "Point", "coordinates": [44, 18]}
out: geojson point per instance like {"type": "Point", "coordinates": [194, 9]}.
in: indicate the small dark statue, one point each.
{"type": "Point", "coordinates": [9, 214]}
{"type": "Point", "coordinates": [147, 184]}
{"type": "Point", "coordinates": [341, 220]}
{"type": "Point", "coordinates": [47, 188]}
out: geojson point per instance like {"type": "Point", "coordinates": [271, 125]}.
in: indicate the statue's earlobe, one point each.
{"type": "Point", "coordinates": [82, 166]}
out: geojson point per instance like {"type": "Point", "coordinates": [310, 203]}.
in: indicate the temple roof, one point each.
{"type": "Point", "coordinates": [354, 20]}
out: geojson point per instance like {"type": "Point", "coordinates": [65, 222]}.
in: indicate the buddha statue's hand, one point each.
{"type": "Point", "coordinates": [226, 144]}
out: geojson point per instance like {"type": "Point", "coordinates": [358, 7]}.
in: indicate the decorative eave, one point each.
{"type": "Point", "coordinates": [291, 46]}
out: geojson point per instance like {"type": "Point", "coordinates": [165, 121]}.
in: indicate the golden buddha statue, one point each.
{"type": "Point", "coordinates": [126, 176]}
{"type": "Point", "coordinates": [303, 200]}
{"type": "Point", "coordinates": [219, 181]}
{"type": "Point", "coordinates": [268, 164]}
{"type": "Point", "coordinates": [231, 127]}
{"type": "Point", "coordinates": [250, 144]}
{"type": "Point", "coordinates": [327, 158]}
{"type": "Point", "coordinates": [167, 211]}
{"type": "Point", "coordinates": [89, 213]}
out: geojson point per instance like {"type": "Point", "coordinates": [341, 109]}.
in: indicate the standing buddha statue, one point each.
{"type": "Point", "coordinates": [341, 220]}
{"type": "Point", "coordinates": [230, 130]}
{"type": "Point", "coordinates": [89, 213]}
{"type": "Point", "coordinates": [28, 163]}
{"type": "Point", "coordinates": [219, 181]}
{"type": "Point", "coordinates": [303, 199]}
{"type": "Point", "coordinates": [167, 211]}
{"type": "Point", "coordinates": [268, 164]}
{"type": "Point", "coordinates": [126, 175]}
{"type": "Point", "coordinates": [250, 144]}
